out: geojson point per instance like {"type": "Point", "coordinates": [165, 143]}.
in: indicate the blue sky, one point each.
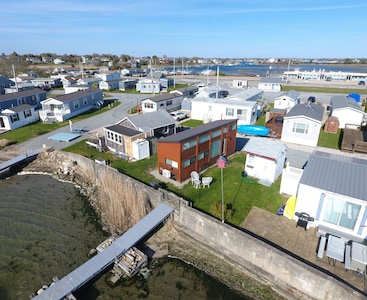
{"type": "Point", "coordinates": [187, 28]}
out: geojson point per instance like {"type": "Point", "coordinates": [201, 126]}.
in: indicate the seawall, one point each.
{"type": "Point", "coordinates": [121, 201]}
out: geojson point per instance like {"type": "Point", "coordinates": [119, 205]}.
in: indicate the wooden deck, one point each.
{"type": "Point", "coordinates": [354, 140]}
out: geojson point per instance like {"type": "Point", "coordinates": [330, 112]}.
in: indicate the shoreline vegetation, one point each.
{"type": "Point", "coordinates": [178, 243]}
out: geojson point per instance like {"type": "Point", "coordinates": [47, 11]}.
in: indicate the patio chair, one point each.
{"type": "Point", "coordinates": [194, 176]}
{"type": "Point", "coordinates": [206, 181]}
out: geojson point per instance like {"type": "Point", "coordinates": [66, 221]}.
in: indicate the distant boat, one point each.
{"type": "Point", "coordinates": [253, 130]}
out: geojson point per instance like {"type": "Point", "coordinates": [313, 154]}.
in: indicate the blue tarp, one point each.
{"type": "Point", "coordinates": [253, 130]}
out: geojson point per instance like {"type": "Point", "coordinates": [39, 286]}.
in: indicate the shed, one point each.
{"type": "Point", "coordinates": [331, 125]}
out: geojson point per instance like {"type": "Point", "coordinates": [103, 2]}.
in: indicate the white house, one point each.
{"type": "Point", "coordinates": [169, 102]}
{"type": "Point", "coordinates": [346, 109]}
{"type": "Point", "coordinates": [67, 106]}
{"type": "Point", "coordinates": [265, 159]}
{"type": "Point", "coordinates": [333, 191]}
{"type": "Point", "coordinates": [302, 124]}
{"type": "Point", "coordinates": [287, 100]}
{"type": "Point", "coordinates": [17, 116]}
{"type": "Point", "coordinates": [270, 84]}
{"type": "Point", "coordinates": [130, 136]}
{"type": "Point", "coordinates": [108, 75]}
{"type": "Point", "coordinates": [236, 106]}
{"type": "Point", "coordinates": [148, 86]}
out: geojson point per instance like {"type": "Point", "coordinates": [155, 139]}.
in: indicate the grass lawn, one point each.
{"type": "Point", "coordinates": [32, 130]}
{"type": "Point", "coordinates": [240, 194]}
{"type": "Point", "coordinates": [332, 90]}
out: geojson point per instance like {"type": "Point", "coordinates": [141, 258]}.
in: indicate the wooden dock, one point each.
{"type": "Point", "coordinates": [99, 263]}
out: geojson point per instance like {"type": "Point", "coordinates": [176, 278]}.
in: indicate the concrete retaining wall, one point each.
{"type": "Point", "coordinates": [287, 275]}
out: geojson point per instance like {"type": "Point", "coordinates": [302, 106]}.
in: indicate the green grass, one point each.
{"type": "Point", "coordinates": [329, 140]}
{"type": "Point", "coordinates": [240, 194]}
{"type": "Point", "coordinates": [35, 129]}
{"type": "Point", "coordinates": [324, 89]}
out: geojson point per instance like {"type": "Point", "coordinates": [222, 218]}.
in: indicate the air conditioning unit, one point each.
{"type": "Point", "coordinates": [166, 173]}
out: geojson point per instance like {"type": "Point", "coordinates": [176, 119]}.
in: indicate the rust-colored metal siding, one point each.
{"type": "Point", "coordinates": [175, 152]}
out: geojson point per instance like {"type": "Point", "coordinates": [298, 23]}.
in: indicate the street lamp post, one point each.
{"type": "Point", "coordinates": [221, 162]}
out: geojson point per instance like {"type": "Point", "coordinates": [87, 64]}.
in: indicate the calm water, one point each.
{"type": "Point", "coordinates": [47, 228]}
{"type": "Point", "coordinates": [246, 69]}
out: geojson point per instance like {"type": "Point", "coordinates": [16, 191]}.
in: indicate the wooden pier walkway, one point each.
{"type": "Point", "coordinates": [97, 264]}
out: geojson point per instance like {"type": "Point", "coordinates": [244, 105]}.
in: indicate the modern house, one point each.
{"type": "Point", "coordinates": [236, 107]}
{"type": "Point", "coordinates": [346, 109]}
{"type": "Point", "coordinates": [132, 136]}
{"type": "Point", "coordinates": [17, 116]}
{"type": "Point", "coordinates": [302, 124]}
{"type": "Point", "coordinates": [332, 190]}
{"type": "Point", "coordinates": [169, 102]}
{"type": "Point", "coordinates": [270, 84]}
{"type": "Point", "coordinates": [67, 106]}
{"type": "Point", "coordinates": [33, 97]}
{"type": "Point", "coordinates": [196, 149]}
{"type": "Point", "coordinates": [265, 159]}
{"type": "Point", "coordinates": [287, 100]}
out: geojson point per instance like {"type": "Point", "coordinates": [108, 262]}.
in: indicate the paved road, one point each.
{"type": "Point", "coordinates": [92, 124]}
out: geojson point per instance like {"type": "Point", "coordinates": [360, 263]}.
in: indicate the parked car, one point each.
{"type": "Point", "coordinates": [361, 82]}
{"type": "Point", "coordinates": [328, 78]}
{"type": "Point", "coordinates": [178, 115]}
{"type": "Point", "coordinates": [311, 99]}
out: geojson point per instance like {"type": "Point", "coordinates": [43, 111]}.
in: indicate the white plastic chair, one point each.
{"type": "Point", "coordinates": [206, 181]}
{"type": "Point", "coordinates": [194, 176]}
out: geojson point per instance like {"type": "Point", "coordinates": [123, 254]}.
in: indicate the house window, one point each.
{"type": "Point", "coordinates": [188, 162]}
{"type": "Point", "coordinates": [300, 128]}
{"type": "Point", "coordinates": [172, 163]}
{"type": "Point", "coordinates": [189, 145]}
{"type": "Point", "coordinates": [204, 138]}
{"type": "Point", "coordinates": [14, 118]}
{"type": "Point", "coordinates": [148, 105]}
{"type": "Point", "coordinates": [76, 104]}
{"type": "Point", "coordinates": [216, 133]}
{"type": "Point", "coordinates": [229, 112]}
{"type": "Point", "coordinates": [215, 149]}
{"type": "Point", "coordinates": [233, 127]}
{"type": "Point", "coordinates": [203, 155]}
{"type": "Point", "coordinates": [169, 102]}
{"type": "Point", "coordinates": [33, 100]}
{"type": "Point", "coordinates": [242, 114]}
{"type": "Point", "coordinates": [341, 213]}
{"type": "Point", "coordinates": [27, 113]}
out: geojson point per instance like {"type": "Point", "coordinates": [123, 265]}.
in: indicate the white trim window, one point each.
{"type": "Point", "coordinates": [342, 213]}
{"type": "Point", "coordinates": [300, 128]}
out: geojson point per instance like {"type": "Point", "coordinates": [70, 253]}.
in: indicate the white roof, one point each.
{"type": "Point", "coordinates": [265, 147]}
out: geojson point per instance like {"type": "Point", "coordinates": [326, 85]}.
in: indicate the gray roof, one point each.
{"type": "Point", "coordinates": [24, 93]}
{"type": "Point", "coordinates": [271, 80]}
{"type": "Point", "coordinates": [151, 120]}
{"type": "Point", "coordinates": [265, 147]}
{"type": "Point", "coordinates": [124, 130]}
{"type": "Point", "coordinates": [344, 175]}
{"type": "Point", "coordinates": [245, 94]}
{"type": "Point", "coordinates": [188, 134]}
{"type": "Point", "coordinates": [163, 97]}
{"type": "Point", "coordinates": [76, 95]}
{"type": "Point", "coordinates": [20, 108]}
{"type": "Point", "coordinates": [291, 94]}
{"type": "Point", "coordinates": [310, 110]}
{"type": "Point", "coordinates": [341, 101]}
